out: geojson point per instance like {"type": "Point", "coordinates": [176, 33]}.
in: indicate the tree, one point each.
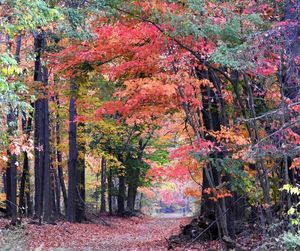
{"type": "Point", "coordinates": [103, 185]}
{"type": "Point", "coordinates": [215, 81]}
{"type": "Point", "coordinates": [14, 24]}
{"type": "Point", "coordinates": [43, 201]}
{"type": "Point", "coordinates": [220, 79]}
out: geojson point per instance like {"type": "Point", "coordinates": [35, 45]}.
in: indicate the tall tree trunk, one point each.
{"type": "Point", "coordinates": [11, 184]}
{"type": "Point", "coordinates": [73, 155]}
{"type": "Point", "coordinates": [25, 197]}
{"type": "Point", "coordinates": [54, 181]}
{"type": "Point", "coordinates": [24, 201]}
{"type": "Point", "coordinates": [37, 160]}
{"type": "Point", "coordinates": [43, 205]}
{"type": "Point", "coordinates": [11, 173]}
{"type": "Point", "coordinates": [289, 81]}
{"type": "Point", "coordinates": [133, 174]}
{"type": "Point", "coordinates": [80, 169]}
{"type": "Point", "coordinates": [110, 190]}
{"type": "Point", "coordinates": [260, 166]}
{"type": "Point", "coordinates": [132, 190]}
{"type": "Point", "coordinates": [121, 195]}
{"type": "Point", "coordinates": [212, 177]}
{"type": "Point", "coordinates": [47, 193]}
{"type": "Point", "coordinates": [57, 193]}
{"type": "Point", "coordinates": [76, 164]}
{"type": "Point", "coordinates": [211, 117]}
{"type": "Point", "coordinates": [59, 155]}
{"type": "Point", "coordinates": [103, 186]}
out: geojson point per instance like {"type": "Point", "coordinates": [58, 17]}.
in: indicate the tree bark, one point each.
{"type": "Point", "coordinates": [121, 195]}
{"type": "Point", "coordinates": [132, 191]}
{"type": "Point", "coordinates": [11, 173]}
{"type": "Point", "coordinates": [260, 166]}
{"type": "Point", "coordinates": [103, 186]}
{"type": "Point", "coordinates": [110, 189]}
{"type": "Point", "coordinates": [47, 193]}
{"type": "Point", "coordinates": [73, 155]}
{"type": "Point", "coordinates": [24, 201]}
{"type": "Point", "coordinates": [57, 194]}
{"type": "Point", "coordinates": [43, 205]}
{"type": "Point", "coordinates": [80, 169]}
{"type": "Point", "coordinates": [59, 155]}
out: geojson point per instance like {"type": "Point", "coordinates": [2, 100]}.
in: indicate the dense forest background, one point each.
{"type": "Point", "coordinates": [107, 106]}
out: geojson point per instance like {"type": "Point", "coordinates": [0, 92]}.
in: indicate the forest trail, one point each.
{"type": "Point", "coordinates": [136, 233]}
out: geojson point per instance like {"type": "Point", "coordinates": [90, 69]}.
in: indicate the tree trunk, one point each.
{"type": "Point", "coordinates": [73, 155]}
{"type": "Point", "coordinates": [47, 193]}
{"type": "Point", "coordinates": [133, 174]}
{"type": "Point", "coordinates": [110, 189]}
{"type": "Point", "coordinates": [25, 197]}
{"type": "Point", "coordinates": [121, 195]}
{"type": "Point", "coordinates": [59, 155]}
{"type": "Point", "coordinates": [80, 203]}
{"type": "Point", "coordinates": [57, 193]}
{"type": "Point", "coordinates": [103, 186]}
{"type": "Point", "coordinates": [76, 164]}
{"type": "Point", "coordinates": [37, 159]}
{"type": "Point", "coordinates": [212, 178]}
{"type": "Point", "coordinates": [11, 173]}
{"type": "Point", "coordinates": [24, 205]}
{"type": "Point", "coordinates": [43, 202]}
{"type": "Point", "coordinates": [132, 190]}
{"type": "Point", "coordinates": [260, 166]}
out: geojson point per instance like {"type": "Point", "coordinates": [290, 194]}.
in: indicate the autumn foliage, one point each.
{"type": "Point", "coordinates": [112, 104]}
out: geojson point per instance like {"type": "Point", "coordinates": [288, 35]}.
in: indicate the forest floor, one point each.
{"type": "Point", "coordinates": [143, 233]}
{"type": "Point", "coordinates": [135, 233]}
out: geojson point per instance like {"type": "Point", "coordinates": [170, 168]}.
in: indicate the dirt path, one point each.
{"type": "Point", "coordinates": [124, 234]}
